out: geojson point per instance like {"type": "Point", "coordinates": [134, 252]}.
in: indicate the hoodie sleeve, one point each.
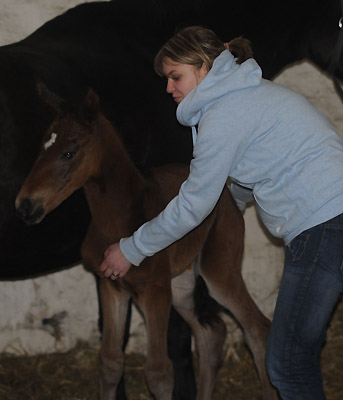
{"type": "Point", "coordinates": [241, 195]}
{"type": "Point", "coordinates": [214, 154]}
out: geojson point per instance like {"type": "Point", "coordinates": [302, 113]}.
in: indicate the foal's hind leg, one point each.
{"type": "Point", "coordinates": [114, 304]}
{"type": "Point", "coordinates": [209, 339]}
{"type": "Point", "coordinates": [155, 302]}
{"type": "Point", "coordinates": [180, 354]}
{"type": "Point", "coordinates": [231, 292]}
{"type": "Point", "coordinates": [221, 268]}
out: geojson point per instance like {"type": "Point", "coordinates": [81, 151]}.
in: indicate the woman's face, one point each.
{"type": "Point", "coordinates": [182, 78]}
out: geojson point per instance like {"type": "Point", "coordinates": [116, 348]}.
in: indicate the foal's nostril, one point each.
{"type": "Point", "coordinates": [30, 212]}
{"type": "Point", "coordinates": [24, 208]}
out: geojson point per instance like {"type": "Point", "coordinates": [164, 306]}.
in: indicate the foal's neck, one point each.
{"type": "Point", "coordinates": [117, 191]}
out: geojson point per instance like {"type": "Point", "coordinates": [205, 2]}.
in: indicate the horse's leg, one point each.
{"type": "Point", "coordinates": [114, 303]}
{"type": "Point", "coordinates": [221, 268]}
{"type": "Point", "coordinates": [209, 339]}
{"type": "Point", "coordinates": [155, 302]}
{"type": "Point", "coordinates": [121, 394]}
{"type": "Point", "coordinates": [180, 354]}
{"type": "Point", "coordinates": [232, 293]}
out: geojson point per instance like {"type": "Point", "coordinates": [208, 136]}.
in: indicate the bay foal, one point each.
{"type": "Point", "coordinates": [82, 148]}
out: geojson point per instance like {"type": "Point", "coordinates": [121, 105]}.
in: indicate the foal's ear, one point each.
{"type": "Point", "coordinates": [90, 107]}
{"type": "Point", "coordinates": [50, 98]}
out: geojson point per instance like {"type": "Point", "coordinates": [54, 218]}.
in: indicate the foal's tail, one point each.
{"type": "Point", "coordinates": [206, 308]}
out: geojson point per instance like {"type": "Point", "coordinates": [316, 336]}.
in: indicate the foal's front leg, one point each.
{"type": "Point", "coordinates": [155, 303]}
{"type": "Point", "coordinates": [114, 303]}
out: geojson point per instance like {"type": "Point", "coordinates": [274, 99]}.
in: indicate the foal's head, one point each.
{"type": "Point", "coordinates": [67, 158]}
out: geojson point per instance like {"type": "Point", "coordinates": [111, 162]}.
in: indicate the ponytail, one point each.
{"type": "Point", "coordinates": [240, 48]}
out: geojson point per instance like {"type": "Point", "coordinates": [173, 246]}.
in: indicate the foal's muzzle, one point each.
{"type": "Point", "coordinates": [30, 212]}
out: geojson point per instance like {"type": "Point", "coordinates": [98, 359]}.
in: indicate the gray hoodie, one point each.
{"type": "Point", "coordinates": [269, 140]}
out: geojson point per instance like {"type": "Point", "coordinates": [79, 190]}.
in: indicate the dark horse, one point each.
{"type": "Point", "coordinates": [82, 149]}
{"type": "Point", "coordinates": [110, 46]}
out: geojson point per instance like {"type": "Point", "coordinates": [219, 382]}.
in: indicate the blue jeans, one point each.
{"type": "Point", "coordinates": [311, 284]}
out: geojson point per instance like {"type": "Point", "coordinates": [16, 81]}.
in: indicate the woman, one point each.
{"type": "Point", "coordinates": [281, 152]}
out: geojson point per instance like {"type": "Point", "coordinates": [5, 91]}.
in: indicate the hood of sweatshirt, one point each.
{"type": "Point", "coordinates": [225, 77]}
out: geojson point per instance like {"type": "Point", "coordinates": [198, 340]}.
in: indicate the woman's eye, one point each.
{"type": "Point", "coordinates": [69, 155]}
{"type": "Point", "coordinates": [175, 78]}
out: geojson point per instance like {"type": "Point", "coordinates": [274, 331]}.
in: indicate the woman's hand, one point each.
{"type": "Point", "coordinates": [115, 264]}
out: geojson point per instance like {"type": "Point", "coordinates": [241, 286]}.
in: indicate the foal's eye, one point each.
{"type": "Point", "coordinates": [69, 155]}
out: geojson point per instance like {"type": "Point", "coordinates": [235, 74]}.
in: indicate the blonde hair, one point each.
{"type": "Point", "coordinates": [196, 45]}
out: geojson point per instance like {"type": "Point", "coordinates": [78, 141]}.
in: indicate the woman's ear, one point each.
{"type": "Point", "coordinates": [227, 45]}
{"type": "Point", "coordinates": [203, 71]}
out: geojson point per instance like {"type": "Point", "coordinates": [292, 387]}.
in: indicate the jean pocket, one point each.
{"type": "Point", "coordinates": [295, 249]}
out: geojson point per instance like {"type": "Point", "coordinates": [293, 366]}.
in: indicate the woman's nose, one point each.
{"type": "Point", "coordinates": [170, 86]}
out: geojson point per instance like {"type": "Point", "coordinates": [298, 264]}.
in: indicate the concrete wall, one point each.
{"type": "Point", "coordinates": [67, 300]}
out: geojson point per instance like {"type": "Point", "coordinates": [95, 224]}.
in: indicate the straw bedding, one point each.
{"type": "Point", "coordinates": [74, 375]}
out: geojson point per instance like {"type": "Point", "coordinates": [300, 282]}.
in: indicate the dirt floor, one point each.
{"type": "Point", "coordinates": [73, 375]}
